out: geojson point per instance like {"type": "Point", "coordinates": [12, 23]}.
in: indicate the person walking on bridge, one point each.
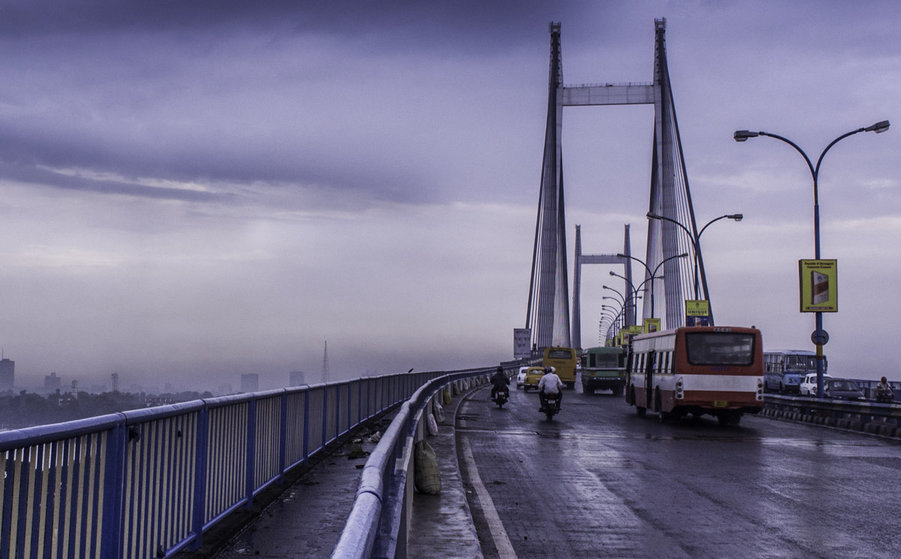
{"type": "Point", "coordinates": [550, 383]}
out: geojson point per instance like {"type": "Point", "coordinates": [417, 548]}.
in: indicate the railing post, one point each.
{"type": "Point", "coordinates": [200, 477]}
{"type": "Point", "coordinates": [251, 451]}
{"type": "Point", "coordinates": [324, 415]}
{"type": "Point", "coordinates": [113, 519]}
{"type": "Point", "coordinates": [283, 437]}
{"type": "Point", "coordinates": [306, 425]}
{"type": "Point", "coordinates": [338, 410]}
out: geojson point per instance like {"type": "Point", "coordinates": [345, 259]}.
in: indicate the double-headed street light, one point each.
{"type": "Point", "coordinates": [633, 292]}
{"type": "Point", "coordinates": [696, 245]}
{"type": "Point", "coordinates": [651, 275]}
{"type": "Point", "coordinates": [819, 336]}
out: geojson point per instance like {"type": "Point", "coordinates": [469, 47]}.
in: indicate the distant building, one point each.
{"type": "Point", "coordinates": [52, 382]}
{"type": "Point", "coordinates": [7, 374]}
{"type": "Point", "coordinates": [296, 378]}
{"type": "Point", "coordinates": [250, 383]}
{"type": "Point", "coordinates": [115, 377]}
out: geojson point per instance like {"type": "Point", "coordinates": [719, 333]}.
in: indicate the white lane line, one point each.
{"type": "Point", "coordinates": [498, 533]}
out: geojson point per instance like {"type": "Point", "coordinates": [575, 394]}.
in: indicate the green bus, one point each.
{"type": "Point", "coordinates": [604, 368]}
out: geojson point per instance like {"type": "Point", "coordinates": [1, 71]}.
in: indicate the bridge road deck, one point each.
{"type": "Point", "coordinates": [622, 486]}
{"type": "Point", "coordinates": [599, 481]}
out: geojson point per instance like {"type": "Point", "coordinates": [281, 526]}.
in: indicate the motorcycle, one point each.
{"type": "Point", "coordinates": [551, 405]}
{"type": "Point", "coordinates": [501, 396]}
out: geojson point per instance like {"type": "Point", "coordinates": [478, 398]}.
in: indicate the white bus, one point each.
{"type": "Point", "coordinates": [784, 369]}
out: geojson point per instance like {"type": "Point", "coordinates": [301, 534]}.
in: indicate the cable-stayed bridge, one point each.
{"type": "Point", "coordinates": [598, 481]}
{"type": "Point", "coordinates": [549, 317]}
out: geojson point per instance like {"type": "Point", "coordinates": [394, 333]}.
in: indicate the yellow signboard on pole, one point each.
{"type": "Point", "coordinates": [651, 324]}
{"type": "Point", "coordinates": [819, 285]}
{"type": "Point", "coordinates": [697, 307]}
{"type": "Point", "coordinates": [697, 312]}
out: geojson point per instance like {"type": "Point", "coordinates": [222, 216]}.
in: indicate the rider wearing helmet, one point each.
{"type": "Point", "coordinates": [499, 382]}
{"type": "Point", "coordinates": [550, 383]}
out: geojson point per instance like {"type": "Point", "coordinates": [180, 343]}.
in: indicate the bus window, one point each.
{"type": "Point", "coordinates": [719, 348]}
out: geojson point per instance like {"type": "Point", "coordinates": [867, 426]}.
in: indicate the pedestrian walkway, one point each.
{"type": "Point", "coordinates": [442, 524]}
{"type": "Point", "coordinates": [307, 518]}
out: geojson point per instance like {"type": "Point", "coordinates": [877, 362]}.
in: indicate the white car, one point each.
{"type": "Point", "coordinates": [521, 377]}
{"type": "Point", "coordinates": [809, 384]}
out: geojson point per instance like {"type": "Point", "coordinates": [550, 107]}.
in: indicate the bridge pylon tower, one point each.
{"type": "Point", "coordinates": [548, 312]}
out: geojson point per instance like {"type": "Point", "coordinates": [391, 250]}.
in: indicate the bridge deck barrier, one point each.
{"type": "Point", "coordinates": [149, 483]}
{"type": "Point", "coordinates": [379, 520]}
{"type": "Point", "coordinates": [866, 416]}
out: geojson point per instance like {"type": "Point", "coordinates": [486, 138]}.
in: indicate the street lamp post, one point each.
{"type": "Point", "coordinates": [633, 291]}
{"type": "Point", "coordinates": [696, 245]}
{"type": "Point", "coordinates": [742, 136]}
{"type": "Point", "coordinates": [652, 275]}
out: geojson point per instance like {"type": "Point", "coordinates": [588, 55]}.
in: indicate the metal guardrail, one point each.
{"type": "Point", "coordinates": [376, 526]}
{"type": "Point", "coordinates": [150, 482]}
{"type": "Point", "coordinates": [856, 415]}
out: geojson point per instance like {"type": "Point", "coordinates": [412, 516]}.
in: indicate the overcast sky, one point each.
{"type": "Point", "coordinates": [195, 190]}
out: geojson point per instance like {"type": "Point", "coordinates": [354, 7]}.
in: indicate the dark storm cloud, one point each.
{"type": "Point", "coordinates": [232, 92]}
{"type": "Point", "coordinates": [468, 22]}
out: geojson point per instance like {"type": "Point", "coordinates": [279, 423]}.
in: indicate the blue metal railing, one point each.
{"type": "Point", "coordinates": [149, 483]}
{"type": "Point", "coordinates": [376, 526]}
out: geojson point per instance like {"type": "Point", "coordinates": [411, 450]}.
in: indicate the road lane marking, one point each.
{"type": "Point", "coordinates": [498, 533]}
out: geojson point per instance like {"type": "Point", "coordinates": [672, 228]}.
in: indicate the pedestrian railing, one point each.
{"type": "Point", "coordinates": [150, 482]}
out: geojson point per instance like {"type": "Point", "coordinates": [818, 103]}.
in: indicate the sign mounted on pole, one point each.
{"type": "Point", "coordinates": [697, 312]}
{"type": "Point", "coordinates": [819, 285]}
{"type": "Point", "coordinates": [522, 341]}
{"type": "Point", "coordinates": [651, 324]}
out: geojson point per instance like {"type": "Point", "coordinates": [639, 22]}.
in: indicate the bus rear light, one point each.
{"type": "Point", "coordinates": [680, 391]}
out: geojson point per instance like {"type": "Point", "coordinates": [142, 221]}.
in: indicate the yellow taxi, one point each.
{"type": "Point", "coordinates": [533, 377]}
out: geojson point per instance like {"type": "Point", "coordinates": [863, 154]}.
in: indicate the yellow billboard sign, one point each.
{"type": "Point", "coordinates": [818, 281]}
{"type": "Point", "coordinates": [697, 307]}
{"type": "Point", "coordinates": [651, 324]}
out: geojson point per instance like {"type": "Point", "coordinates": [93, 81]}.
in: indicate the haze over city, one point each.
{"type": "Point", "coordinates": [193, 191]}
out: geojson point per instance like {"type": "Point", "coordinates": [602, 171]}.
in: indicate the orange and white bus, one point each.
{"type": "Point", "coordinates": [699, 370]}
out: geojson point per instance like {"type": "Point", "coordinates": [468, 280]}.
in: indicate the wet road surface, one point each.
{"type": "Point", "coordinates": [598, 481]}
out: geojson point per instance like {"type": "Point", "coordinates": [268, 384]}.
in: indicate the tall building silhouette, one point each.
{"type": "Point", "coordinates": [7, 374]}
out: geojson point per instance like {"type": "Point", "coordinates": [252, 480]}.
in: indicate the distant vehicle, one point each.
{"type": "Point", "coordinates": [784, 369]}
{"type": "Point", "coordinates": [521, 377]}
{"type": "Point", "coordinates": [563, 360]}
{"type": "Point", "coordinates": [809, 384]}
{"type": "Point", "coordinates": [604, 368]}
{"type": "Point", "coordinates": [697, 370]}
{"type": "Point", "coordinates": [842, 389]}
{"type": "Point", "coordinates": [532, 378]}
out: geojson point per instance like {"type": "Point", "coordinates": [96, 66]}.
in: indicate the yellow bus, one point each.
{"type": "Point", "coordinates": [563, 360]}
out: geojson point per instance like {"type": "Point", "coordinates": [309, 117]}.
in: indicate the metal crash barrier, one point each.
{"type": "Point", "coordinates": [150, 482]}
{"type": "Point", "coordinates": [855, 415]}
{"type": "Point", "coordinates": [376, 526]}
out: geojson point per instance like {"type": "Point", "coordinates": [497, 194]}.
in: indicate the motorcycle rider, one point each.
{"type": "Point", "coordinates": [884, 391]}
{"type": "Point", "coordinates": [499, 382]}
{"type": "Point", "coordinates": [550, 383]}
